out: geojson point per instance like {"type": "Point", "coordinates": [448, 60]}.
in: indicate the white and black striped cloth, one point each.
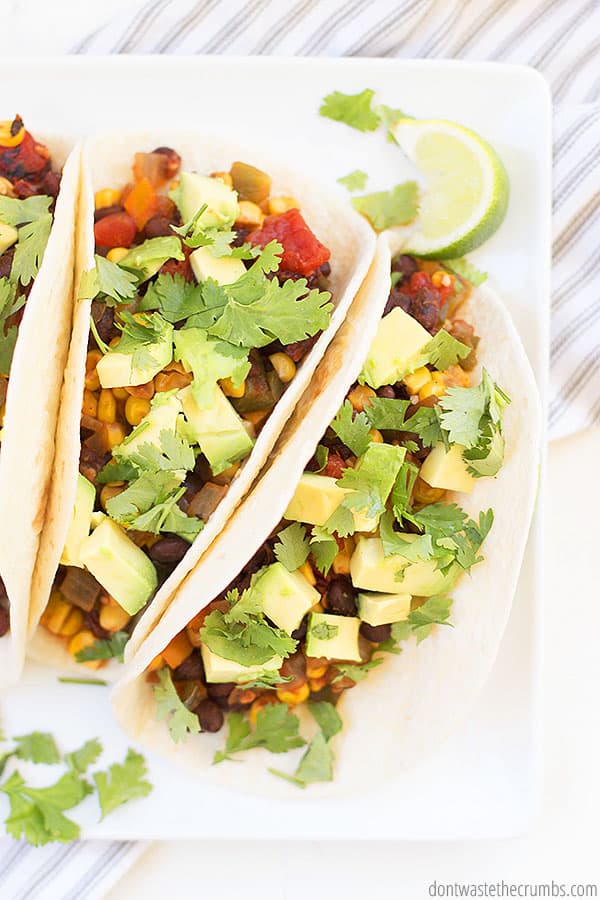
{"type": "Point", "coordinates": [561, 38]}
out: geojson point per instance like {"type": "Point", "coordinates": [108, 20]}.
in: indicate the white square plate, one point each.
{"type": "Point", "coordinates": [483, 781]}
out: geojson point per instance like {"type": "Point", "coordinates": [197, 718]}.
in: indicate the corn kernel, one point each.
{"type": "Point", "coordinates": [318, 607]}
{"type": "Point", "coordinates": [89, 406]}
{"type": "Point", "coordinates": [361, 396]}
{"type": "Point", "coordinates": [157, 663]}
{"type": "Point", "coordinates": [81, 641]}
{"type": "Point", "coordinates": [107, 407]}
{"type": "Point", "coordinates": [106, 197]}
{"type": "Point", "coordinates": [12, 132]}
{"type": "Point", "coordinates": [419, 377]}
{"type": "Point", "coordinates": [341, 563]}
{"type": "Point", "coordinates": [431, 389]}
{"type": "Point", "coordinates": [117, 254]}
{"type": "Point", "coordinates": [442, 279]}
{"type": "Point", "coordinates": [230, 390]}
{"type": "Point", "coordinates": [255, 418]}
{"type": "Point", "coordinates": [113, 618]}
{"type": "Point", "coordinates": [115, 434]}
{"type": "Point", "coordinates": [225, 177]}
{"type": "Point", "coordinates": [292, 698]}
{"type": "Point", "coordinates": [306, 570]}
{"type": "Point", "coordinates": [249, 213]}
{"type": "Point", "coordinates": [119, 393]}
{"type": "Point", "coordinates": [56, 613]}
{"type": "Point", "coordinates": [279, 205]}
{"type": "Point", "coordinates": [72, 623]}
{"type": "Point", "coordinates": [317, 684]}
{"type": "Point", "coordinates": [6, 188]}
{"type": "Point", "coordinates": [315, 668]}
{"type": "Point", "coordinates": [92, 382]}
{"type": "Point", "coordinates": [376, 436]}
{"type": "Point", "coordinates": [177, 650]}
{"type": "Point", "coordinates": [136, 409]}
{"type": "Point", "coordinates": [284, 365]}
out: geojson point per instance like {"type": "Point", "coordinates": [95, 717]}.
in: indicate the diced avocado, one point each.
{"type": "Point", "coordinates": [121, 567]}
{"type": "Point", "coordinates": [164, 410]}
{"type": "Point", "coordinates": [285, 596]}
{"type": "Point", "coordinates": [316, 498]}
{"type": "Point", "coordinates": [8, 237]}
{"type": "Point", "coordinates": [147, 258]}
{"type": "Point", "coordinates": [117, 369]}
{"type": "Point", "coordinates": [342, 642]}
{"type": "Point", "coordinates": [96, 518]}
{"type": "Point", "coordinates": [218, 430]}
{"type": "Point", "coordinates": [395, 350]}
{"type": "Point", "coordinates": [383, 609]}
{"type": "Point", "coordinates": [220, 671]}
{"type": "Point", "coordinates": [371, 571]}
{"type": "Point", "coordinates": [222, 269]}
{"type": "Point", "coordinates": [447, 469]}
{"type": "Point", "coordinates": [195, 191]}
{"type": "Point", "coordinates": [85, 497]}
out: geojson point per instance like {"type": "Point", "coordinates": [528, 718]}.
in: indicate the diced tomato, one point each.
{"type": "Point", "coordinates": [116, 230]}
{"type": "Point", "coordinates": [179, 266]}
{"type": "Point", "coordinates": [419, 280]}
{"type": "Point", "coordinates": [335, 466]}
{"type": "Point", "coordinates": [27, 160]}
{"type": "Point", "coordinates": [302, 251]}
{"type": "Point", "coordinates": [141, 202]}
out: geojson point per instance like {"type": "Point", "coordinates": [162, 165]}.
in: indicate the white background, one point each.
{"type": "Point", "coordinates": [564, 844]}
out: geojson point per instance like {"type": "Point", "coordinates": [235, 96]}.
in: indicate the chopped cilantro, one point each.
{"type": "Point", "coordinates": [139, 334]}
{"type": "Point", "coordinates": [16, 212]}
{"type": "Point", "coordinates": [276, 730]}
{"type": "Point", "coordinates": [10, 303]}
{"type": "Point", "coordinates": [109, 280]}
{"type": "Point", "coordinates": [317, 762]}
{"type": "Point", "coordinates": [442, 351]}
{"type": "Point", "coordinates": [370, 484]}
{"type": "Point", "coordinates": [395, 544]}
{"type": "Point", "coordinates": [210, 360]}
{"type": "Point", "coordinates": [38, 747]}
{"type": "Point", "coordinates": [105, 648]}
{"type": "Point", "coordinates": [327, 718]}
{"type": "Point", "coordinates": [434, 611]}
{"type": "Point", "coordinates": [389, 116]}
{"type": "Point", "coordinates": [385, 209]}
{"type": "Point", "coordinates": [174, 297]}
{"type": "Point", "coordinates": [324, 548]}
{"type": "Point", "coordinates": [170, 706]}
{"type": "Point", "coordinates": [356, 671]}
{"type": "Point", "coordinates": [426, 423]}
{"type": "Point", "coordinates": [387, 414]}
{"type": "Point", "coordinates": [30, 249]}
{"type": "Point", "coordinates": [172, 454]}
{"type": "Point", "coordinates": [122, 782]}
{"type": "Point", "coordinates": [403, 486]}
{"type": "Point", "coordinates": [80, 760]}
{"type": "Point", "coordinates": [267, 681]}
{"type": "Point", "coordinates": [466, 270]}
{"type": "Point", "coordinates": [322, 457]}
{"type": "Point", "coordinates": [292, 547]}
{"type": "Point", "coordinates": [324, 631]}
{"type": "Point", "coordinates": [352, 429]}
{"type": "Point", "coordinates": [37, 814]}
{"type": "Point", "coordinates": [354, 181]}
{"type": "Point", "coordinates": [354, 110]}
{"type": "Point", "coordinates": [340, 522]}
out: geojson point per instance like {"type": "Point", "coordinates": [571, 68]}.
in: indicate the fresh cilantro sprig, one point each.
{"type": "Point", "coordinates": [37, 814]}
{"type": "Point", "coordinates": [140, 334]}
{"type": "Point", "coordinates": [352, 429]}
{"type": "Point", "coordinates": [292, 547]}
{"type": "Point", "coordinates": [371, 482]}
{"type": "Point", "coordinates": [175, 298]}
{"type": "Point", "coordinates": [210, 360]}
{"type": "Point", "coordinates": [356, 671]}
{"type": "Point", "coordinates": [180, 720]}
{"type": "Point", "coordinates": [466, 270]}
{"type": "Point", "coordinates": [276, 730]}
{"type": "Point", "coordinates": [105, 648]}
{"type": "Point", "coordinates": [324, 547]}
{"type": "Point", "coordinates": [317, 762]}
{"type": "Point", "coordinates": [33, 220]}
{"type": "Point", "coordinates": [108, 280]}
{"type": "Point", "coordinates": [122, 782]}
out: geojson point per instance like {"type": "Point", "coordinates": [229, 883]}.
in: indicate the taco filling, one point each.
{"type": "Point", "coordinates": [28, 189]}
{"type": "Point", "coordinates": [372, 543]}
{"type": "Point", "coordinates": [207, 293]}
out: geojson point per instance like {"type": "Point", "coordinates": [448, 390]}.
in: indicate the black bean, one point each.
{"type": "Point", "coordinates": [158, 226]}
{"type": "Point", "coordinates": [407, 265]}
{"type": "Point", "coordinates": [300, 633]}
{"type": "Point", "coordinates": [4, 621]}
{"type": "Point", "coordinates": [210, 716]}
{"type": "Point", "coordinates": [6, 260]}
{"type": "Point", "coordinates": [91, 621]}
{"type": "Point", "coordinates": [169, 550]}
{"type": "Point", "coordinates": [375, 633]}
{"type": "Point", "coordinates": [387, 391]}
{"type": "Point", "coordinates": [220, 693]}
{"type": "Point", "coordinates": [172, 161]}
{"type": "Point", "coordinates": [397, 298]}
{"type": "Point", "coordinates": [108, 211]}
{"type": "Point", "coordinates": [191, 669]}
{"type": "Point", "coordinates": [341, 597]}
{"type": "Point", "coordinates": [425, 308]}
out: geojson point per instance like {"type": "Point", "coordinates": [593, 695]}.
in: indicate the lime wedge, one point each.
{"type": "Point", "coordinates": [467, 189]}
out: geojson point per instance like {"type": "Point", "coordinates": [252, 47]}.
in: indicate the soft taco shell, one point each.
{"type": "Point", "coordinates": [412, 702]}
{"type": "Point", "coordinates": [107, 161]}
{"type": "Point", "coordinates": [32, 406]}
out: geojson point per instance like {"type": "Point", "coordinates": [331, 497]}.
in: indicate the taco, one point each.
{"type": "Point", "coordinates": [365, 583]}
{"type": "Point", "coordinates": [37, 210]}
{"type": "Point", "coordinates": [208, 291]}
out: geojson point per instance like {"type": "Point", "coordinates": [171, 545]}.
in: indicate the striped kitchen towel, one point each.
{"type": "Point", "coordinates": [560, 39]}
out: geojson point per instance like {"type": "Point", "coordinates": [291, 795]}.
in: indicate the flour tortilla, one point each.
{"type": "Point", "coordinates": [410, 703]}
{"type": "Point", "coordinates": [107, 162]}
{"type": "Point", "coordinates": [32, 407]}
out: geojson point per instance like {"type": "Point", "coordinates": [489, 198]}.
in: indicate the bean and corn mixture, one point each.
{"type": "Point", "coordinates": [26, 172]}
{"type": "Point", "coordinates": [327, 561]}
{"type": "Point", "coordinates": [169, 292]}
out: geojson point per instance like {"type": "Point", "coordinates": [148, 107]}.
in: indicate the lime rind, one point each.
{"type": "Point", "coordinates": [418, 138]}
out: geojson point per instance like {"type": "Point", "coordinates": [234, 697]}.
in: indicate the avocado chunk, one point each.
{"type": "Point", "coordinates": [395, 351]}
{"type": "Point", "coordinates": [371, 571]}
{"type": "Point", "coordinates": [220, 671]}
{"type": "Point", "coordinates": [383, 609]}
{"type": "Point", "coordinates": [222, 269]}
{"type": "Point", "coordinates": [121, 567]}
{"type": "Point", "coordinates": [218, 430]}
{"type": "Point", "coordinates": [285, 596]}
{"type": "Point", "coordinates": [117, 369]}
{"type": "Point", "coordinates": [316, 498]}
{"type": "Point", "coordinates": [8, 237]}
{"type": "Point", "coordinates": [333, 637]}
{"type": "Point", "coordinates": [447, 469]}
{"type": "Point", "coordinates": [195, 191]}
{"type": "Point", "coordinates": [162, 416]}
{"type": "Point", "coordinates": [79, 528]}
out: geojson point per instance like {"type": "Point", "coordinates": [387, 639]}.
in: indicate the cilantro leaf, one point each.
{"type": "Point", "coordinates": [122, 782]}
{"type": "Point", "coordinates": [354, 110]}
{"type": "Point", "coordinates": [354, 181]}
{"type": "Point", "coordinates": [340, 522]}
{"type": "Point", "coordinates": [38, 747]}
{"type": "Point", "coordinates": [139, 334]}
{"type": "Point", "coordinates": [80, 760]}
{"type": "Point", "coordinates": [276, 730]}
{"type": "Point", "coordinates": [371, 482]}
{"type": "Point", "coordinates": [36, 814]}
{"type": "Point", "coordinates": [352, 430]}
{"type": "Point", "coordinates": [387, 414]}
{"type": "Point", "coordinates": [402, 489]}
{"type": "Point", "coordinates": [16, 212]}
{"type": "Point", "coordinates": [327, 718]}
{"type": "Point", "coordinates": [322, 457]}
{"type": "Point", "coordinates": [324, 631]}
{"type": "Point", "coordinates": [487, 457]}
{"type": "Point", "coordinates": [175, 298]}
{"type": "Point", "coordinates": [172, 454]}
{"type": "Point", "coordinates": [316, 764]}
{"type": "Point", "coordinates": [426, 423]}
{"type": "Point", "coordinates": [292, 547]}
{"type": "Point", "coordinates": [170, 706]}
{"type": "Point", "coordinates": [150, 489]}
{"type": "Point", "coordinates": [324, 548]}
{"type": "Point", "coordinates": [356, 672]}
{"type": "Point", "coordinates": [10, 303]}
{"type": "Point", "coordinates": [105, 648]}
{"type": "Point", "coordinates": [210, 360]}
{"type": "Point", "coordinates": [442, 351]}
{"type": "Point", "coordinates": [30, 249]}
{"type": "Point", "coordinates": [389, 117]}
{"type": "Point", "coordinates": [435, 611]}
{"type": "Point", "coordinates": [469, 414]}
{"type": "Point", "coordinates": [440, 519]}
{"type": "Point", "coordinates": [117, 471]}
{"type": "Point", "coordinates": [267, 681]}
{"type": "Point", "coordinates": [385, 209]}
{"type": "Point", "coordinates": [466, 270]}
{"type": "Point", "coordinates": [395, 543]}
{"type": "Point", "coordinates": [107, 279]}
